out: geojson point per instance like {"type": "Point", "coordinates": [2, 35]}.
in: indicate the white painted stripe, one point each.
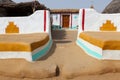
{"type": "Point", "coordinates": [89, 51]}
{"type": "Point", "coordinates": [106, 54]}
{"type": "Point", "coordinates": [91, 46]}
{"type": "Point", "coordinates": [111, 54]}
{"type": "Point", "coordinates": [8, 55]}
{"type": "Point", "coordinates": [21, 54]}
{"type": "Point", "coordinates": [38, 49]}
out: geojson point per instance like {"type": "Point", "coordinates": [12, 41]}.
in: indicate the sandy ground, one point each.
{"type": "Point", "coordinates": [73, 63]}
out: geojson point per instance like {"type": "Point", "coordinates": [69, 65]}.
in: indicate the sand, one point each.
{"type": "Point", "coordinates": [72, 62]}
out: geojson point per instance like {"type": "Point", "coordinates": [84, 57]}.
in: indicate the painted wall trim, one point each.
{"type": "Point", "coordinates": [88, 50]}
{"type": "Point", "coordinates": [29, 56]}
{"type": "Point", "coordinates": [16, 55]}
{"type": "Point", "coordinates": [35, 22]}
{"type": "Point", "coordinates": [44, 20]}
{"type": "Point", "coordinates": [83, 19]}
{"type": "Point", "coordinates": [42, 52]}
{"type": "Point", "coordinates": [105, 54]}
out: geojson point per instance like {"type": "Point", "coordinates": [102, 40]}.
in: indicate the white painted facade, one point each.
{"type": "Point", "coordinates": [57, 19]}
{"type": "Point", "coordinates": [92, 22]}
{"type": "Point", "coordinates": [34, 23]}
{"type": "Point", "coordinates": [28, 24]}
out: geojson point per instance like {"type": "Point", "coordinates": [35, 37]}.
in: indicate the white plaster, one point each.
{"type": "Point", "coordinates": [48, 23]}
{"type": "Point", "coordinates": [56, 19]}
{"type": "Point", "coordinates": [28, 24]}
{"type": "Point", "coordinates": [75, 19]}
{"type": "Point", "coordinates": [15, 54]}
{"type": "Point", "coordinates": [94, 20]}
{"type": "Point", "coordinates": [111, 54]}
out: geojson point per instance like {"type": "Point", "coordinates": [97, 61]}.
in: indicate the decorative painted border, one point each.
{"type": "Point", "coordinates": [58, 27]}
{"type": "Point", "coordinates": [74, 27]}
{"type": "Point", "coordinates": [83, 19]}
{"type": "Point", "coordinates": [29, 56]}
{"type": "Point", "coordinates": [42, 52]}
{"type": "Point", "coordinates": [45, 18]}
{"type": "Point", "coordinates": [98, 53]}
{"type": "Point", "coordinates": [88, 50]}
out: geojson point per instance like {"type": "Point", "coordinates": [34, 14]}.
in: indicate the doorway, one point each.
{"type": "Point", "coordinates": [65, 21]}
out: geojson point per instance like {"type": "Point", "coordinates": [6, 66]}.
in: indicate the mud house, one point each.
{"type": "Point", "coordinates": [64, 18]}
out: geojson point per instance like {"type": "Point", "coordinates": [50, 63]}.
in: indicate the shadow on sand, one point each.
{"type": "Point", "coordinates": [60, 41]}
{"type": "Point", "coordinates": [58, 36]}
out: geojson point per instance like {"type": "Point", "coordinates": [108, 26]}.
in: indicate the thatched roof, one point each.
{"type": "Point", "coordinates": [21, 9]}
{"type": "Point", "coordinates": [25, 4]}
{"type": "Point", "coordinates": [6, 2]}
{"type": "Point", "coordinates": [53, 11]}
{"type": "Point", "coordinates": [113, 7]}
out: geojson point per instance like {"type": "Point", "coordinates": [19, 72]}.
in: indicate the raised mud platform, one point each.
{"type": "Point", "coordinates": [29, 46]}
{"type": "Point", "coordinates": [101, 45]}
{"type": "Point", "coordinates": [27, 37]}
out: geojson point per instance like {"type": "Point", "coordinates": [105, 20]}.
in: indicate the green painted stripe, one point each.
{"type": "Point", "coordinates": [42, 52]}
{"type": "Point", "coordinates": [73, 27]}
{"type": "Point", "coordinates": [56, 27]}
{"type": "Point", "coordinates": [89, 51]}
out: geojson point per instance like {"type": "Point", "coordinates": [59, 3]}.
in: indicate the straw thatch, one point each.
{"type": "Point", "coordinates": [113, 7]}
{"type": "Point", "coordinates": [6, 2]}
{"type": "Point", "coordinates": [20, 9]}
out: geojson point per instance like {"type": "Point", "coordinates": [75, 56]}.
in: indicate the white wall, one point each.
{"type": "Point", "coordinates": [56, 19]}
{"type": "Point", "coordinates": [94, 20]}
{"type": "Point", "coordinates": [29, 24]}
{"type": "Point", "coordinates": [75, 20]}
{"type": "Point", "coordinates": [48, 23]}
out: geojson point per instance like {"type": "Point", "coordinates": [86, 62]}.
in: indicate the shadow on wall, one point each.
{"type": "Point", "coordinates": [50, 53]}
{"type": "Point", "coordinates": [60, 36]}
